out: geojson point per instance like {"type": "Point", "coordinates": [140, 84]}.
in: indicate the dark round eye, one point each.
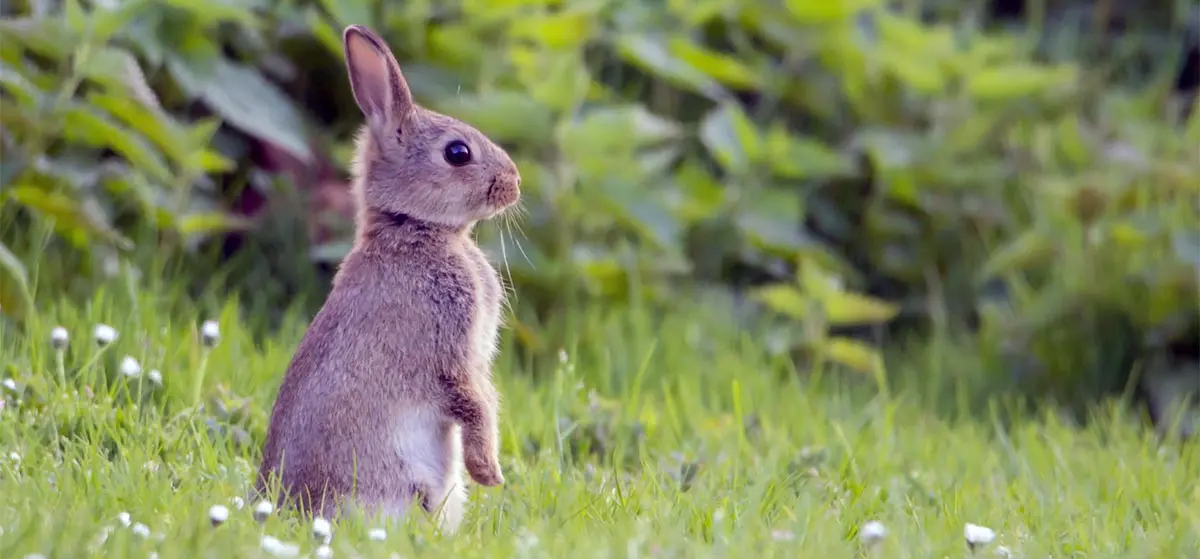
{"type": "Point", "coordinates": [457, 153]}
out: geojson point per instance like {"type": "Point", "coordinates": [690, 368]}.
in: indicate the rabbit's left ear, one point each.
{"type": "Point", "coordinates": [379, 87]}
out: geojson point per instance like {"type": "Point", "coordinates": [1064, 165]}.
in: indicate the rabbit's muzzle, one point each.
{"type": "Point", "coordinates": [504, 190]}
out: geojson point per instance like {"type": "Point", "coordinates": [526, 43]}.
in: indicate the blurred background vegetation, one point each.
{"type": "Point", "coordinates": [1009, 190]}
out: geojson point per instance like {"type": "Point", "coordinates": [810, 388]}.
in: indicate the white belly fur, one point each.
{"type": "Point", "coordinates": [430, 447]}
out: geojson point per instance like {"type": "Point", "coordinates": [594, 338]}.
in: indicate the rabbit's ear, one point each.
{"type": "Point", "coordinates": [379, 87]}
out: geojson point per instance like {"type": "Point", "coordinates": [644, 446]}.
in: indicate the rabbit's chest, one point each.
{"type": "Point", "coordinates": [486, 325]}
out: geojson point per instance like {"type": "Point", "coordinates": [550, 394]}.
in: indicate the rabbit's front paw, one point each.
{"type": "Point", "coordinates": [485, 470]}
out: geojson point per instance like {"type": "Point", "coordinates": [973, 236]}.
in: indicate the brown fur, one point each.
{"type": "Point", "coordinates": [390, 394]}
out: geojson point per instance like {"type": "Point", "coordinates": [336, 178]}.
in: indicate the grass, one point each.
{"type": "Point", "coordinates": [646, 437]}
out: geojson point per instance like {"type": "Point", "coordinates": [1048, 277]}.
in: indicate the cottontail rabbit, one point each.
{"type": "Point", "coordinates": [390, 390]}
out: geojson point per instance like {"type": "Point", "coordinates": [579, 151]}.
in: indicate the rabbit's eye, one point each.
{"type": "Point", "coordinates": [457, 153]}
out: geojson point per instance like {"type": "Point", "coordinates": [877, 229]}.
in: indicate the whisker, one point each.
{"type": "Point", "coordinates": [510, 289]}
{"type": "Point", "coordinates": [514, 223]}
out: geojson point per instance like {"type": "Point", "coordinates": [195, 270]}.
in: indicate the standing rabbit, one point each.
{"type": "Point", "coordinates": [390, 393]}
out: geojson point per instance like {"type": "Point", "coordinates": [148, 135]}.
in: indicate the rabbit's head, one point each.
{"type": "Point", "coordinates": [414, 161]}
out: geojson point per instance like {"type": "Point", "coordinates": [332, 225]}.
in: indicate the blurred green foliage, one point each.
{"type": "Point", "coordinates": [847, 164]}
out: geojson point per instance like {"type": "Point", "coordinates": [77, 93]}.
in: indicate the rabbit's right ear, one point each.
{"type": "Point", "coordinates": [379, 87]}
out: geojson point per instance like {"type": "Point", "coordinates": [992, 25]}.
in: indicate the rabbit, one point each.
{"type": "Point", "coordinates": [389, 395]}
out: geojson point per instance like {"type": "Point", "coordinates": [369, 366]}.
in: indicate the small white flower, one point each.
{"type": "Point", "coordinates": [783, 535]}
{"type": "Point", "coordinates": [153, 555]}
{"type": "Point", "coordinates": [526, 540]}
{"type": "Point", "coordinates": [210, 333]}
{"type": "Point", "coordinates": [321, 529]}
{"type": "Point", "coordinates": [218, 514]}
{"type": "Point", "coordinates": [237, 502]}
{"type": "Point", "coordinates": [377, 534]}
{"type": "Point", "coordinates": [15, 457]}
{"type": "Point", "coordinates": [59, 338]}
{"type": "Point", "coordinates": [124, 519]}
{"type": "Point", "coordinates": [10, 384]}
{"type": "Point", "coordinates": [262, 510]}
{"type": "Point", "coordinates": [978, 535]}
{"type": "Point", "coordinates": [104, 334]}
{"type": "Point", "coordinates": [141, 530]}
{"type": "Point", "coordinates": [563, 357]}
{"type": "Point", "coordinates": [272, 545]}
{"type": "Point", "coordinates": [1002, 551]}
{"type": "Point", "coordinates": [130, 367]}
{"type": "Point", "coordinates": [155, 376]}
{"type": "Point", "coordinates": [323, 552]}
{"type": "Point", "coordinates": [872, 532]}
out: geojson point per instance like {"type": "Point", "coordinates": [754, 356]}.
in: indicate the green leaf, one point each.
{"type": "Point", "coordinates": [81, 220]}
{"type": "Point", "coordinates": [650, 54]}
{"type": "Point", "coordinates": [323, 31]}
{"type": "Point", "coordinates": [1029, 249]}
{"type": "Point", "coordinates": [922, 75]}
{"type": "Point", "coordinates": [825, 11]}
{"type": "Point", "coordinates": [853, 354]}
{"type": "Point", "coordinates": [45, 36]}
{"type": "Point", "coordinates": [210, 12]}
{"type": "Point", "coordinates": [785, 299]}
{"type": "Point", "coordinates": [248, 102]}
{"type": "Point", "coordinates": [731, 138]}
{"type": "Point", "coordinates": [847, 309]}
{"type": "Point", "coordinates": [19, 86]}
{"type": "Point", "coordinates": [85, 125]}
{"type": "Point", "coordinates": [561, 30]}
{"type": "Point", "coordinates": [1016, 81]}
{"type": "Point", "coordinates": [719, 66]}
{"type": "Point", "coordinates": [16, 270]}
{"type": "Point", "coordinates": [505, 116]}
{"type": "Point", "coordinates": [348, 12]}
{"type": "Point", "coordinates": [209, 223]}
{"type": "Point", "coordinates": [797, 157]}
{"type": "Point", "coordinates": [159, 128]}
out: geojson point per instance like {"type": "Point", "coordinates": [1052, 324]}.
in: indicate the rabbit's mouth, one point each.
{"type": "Point", "coordinates": [503, 191]}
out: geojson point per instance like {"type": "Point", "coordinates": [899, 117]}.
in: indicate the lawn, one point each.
{"type": "Point", "coordinates": [671, 436]}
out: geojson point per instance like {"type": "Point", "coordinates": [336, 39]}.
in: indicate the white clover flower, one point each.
{"type": "Point", "coordinates": [321, 529]}
{"type": "Point", "coordinates": [155, 376]}
{"type": "Point", "coordinates": [978, 535]}
{"type": "Point", "coordinates": [141, 530]}
{"type": "Point", "coordinates": [377, 534]}
{"type": "Point", "coordinates": [262, 510]}
{"type": "Point", "coordinates": [59, 338]}
{"type": "Point", "coordinates": [130, 367]}
{"type": "Point", "coordinates": [124, 519]}
{"type": "Point", "coordinates": [104, 334]}
{"type": "Point", "coordinates": [218, 514]}
{"type": "Point", "coordinates": [274, 546]}
{"type": "Point", "coordinates": [210, 333]}
{"type": "Point", "coordinates": [237, 502]}
{"type": "Point", "coordinates": [783, 535]}
{"type": "Point", "coordinates": [323, 552]}
{"type": "Point", "coordinates": [10, 384]}
{"type": "Point", "coordinates": [872, 533]}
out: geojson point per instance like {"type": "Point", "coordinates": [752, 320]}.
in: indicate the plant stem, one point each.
{"type": "Point", "coordinates": [62, 369]}
{"type": "Point", "coordinates": [199, 383]}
